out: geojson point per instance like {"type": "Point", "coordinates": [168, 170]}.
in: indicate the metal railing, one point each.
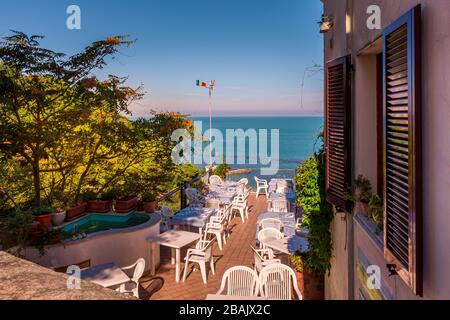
{"type": "Point", "coordinates": [182, 188]}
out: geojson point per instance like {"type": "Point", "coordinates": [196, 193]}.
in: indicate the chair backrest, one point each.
{"type": "Point", "coordinates": [258, 259]}
{"type": "Point", "coordinates": [139, 269]}
{"type": "Point", "coordinates": [205, 246]}
{"type": "Point", "coordinates": [243, 181]}
{"type": "Point", "coordinates": [214, 179]}
{"type": "Point", "coordinates": [269, 234]}
{"type": "Point", "coordinates": [212, 203]}
{"type": "Point", "coordinates": [165, 211]}
{"type": "Point", "coordinates": [240, 188]}
{"type": "Point", "coordinates": [271, 223]}
{"type": "Point", "coordinates": [278, 281]}
{"type": "Point", "coordinates": [240, 281]}
{"type": "Point", "coordinates": [279, 205]}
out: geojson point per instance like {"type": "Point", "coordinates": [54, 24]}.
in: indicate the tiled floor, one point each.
{"type": "Point", "coordinates": [237, 251]}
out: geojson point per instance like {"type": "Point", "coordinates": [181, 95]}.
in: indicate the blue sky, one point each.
{"type": "Point", "coordinates": [256, 50]}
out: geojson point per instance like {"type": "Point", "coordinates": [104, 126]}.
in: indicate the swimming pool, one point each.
{"type": "Point", "coordinates": [101, 222]}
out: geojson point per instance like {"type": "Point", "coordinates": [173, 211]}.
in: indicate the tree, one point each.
{"type": "Point", "coordinates": [46, 97]}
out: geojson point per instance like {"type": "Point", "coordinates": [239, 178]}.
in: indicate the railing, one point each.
{"type": "Point", "coordinates": [181, 190]}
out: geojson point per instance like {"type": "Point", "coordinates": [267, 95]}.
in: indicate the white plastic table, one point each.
{"type": "Point", "coordinates": [107, 275]}
{"type": "Point", "coordinates": [192, 217]}
{"type": "Point", "coordinates": [289, 245]}
{"type": "Point", "coordinates": [174, 239]}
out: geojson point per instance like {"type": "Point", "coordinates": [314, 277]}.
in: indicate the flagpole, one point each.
{"type": "Point", "coordinates": [210, 126]}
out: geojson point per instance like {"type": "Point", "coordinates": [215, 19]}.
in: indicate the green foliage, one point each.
{"type": "Point", "coordinates": [148, 197]}
{"type": "Point", "coordinates": [108, 195]}
{"type": "Point", "coordinates": [89, 196]}
{"type": "Point", "coordinates": [221, 170]}
{"type": "Point", "coordinates": [376, 210]}
{"type": "Point", "coordinates": [360, 190]}
{"type": "Point", "coordinates": [64, 131]}
{"type": "Point", "coordinates": [16, 226]}
{"type": "Point", "coordinates": [317, 215]}
{"type": "Point", "coordinates": [42, 210]}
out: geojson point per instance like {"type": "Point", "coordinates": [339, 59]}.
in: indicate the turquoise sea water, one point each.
{"type": "Point", "coordinates": [297, 140]}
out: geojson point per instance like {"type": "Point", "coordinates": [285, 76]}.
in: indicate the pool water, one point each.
{"type": "Point", "coordinates": [101, 222]}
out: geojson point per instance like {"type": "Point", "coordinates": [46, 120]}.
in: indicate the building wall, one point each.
{"type": "Point", "coordinates": [436, 123]}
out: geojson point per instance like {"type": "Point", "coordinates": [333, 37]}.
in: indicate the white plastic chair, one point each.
{"type": "Point", "coordinates": [222, 217]}
{"type": "Point", "coordinates": [200, 255]}
{"type": "Point", "coordinates": [214, 179]}
{"type": "Point", "coordinates": [165, 218]}
{"type": "Point", "coordinates": [194, 196]}
{"type": "Point", "coordinates": [279, 205]}
{"type": "Point", "coordinates": [240, 281]}
{"type": "Point", "coordinates": [212, 203]}
{"type": "Point", "coordinates": [218, 230]}
{"type": "Point", "coordinates": [240, 204]}
{"type": "Point", "coordinates": [137, 270]}
{"type": "Point", "coordinates": [271, 223]}
{"type": "Point", "coordinates": [261, 185]}
{"type": "Point", "coordinates": [278, 281]}
{"type": "Point", "coordinates": [263, 257]}
{"type": "Point", "coordinates": [268, 234]}
{"type": "Point", "coordinates": [243, 181]}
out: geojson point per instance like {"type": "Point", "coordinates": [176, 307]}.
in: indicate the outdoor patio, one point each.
{"type": "Point", "coordinates": [237, 251]}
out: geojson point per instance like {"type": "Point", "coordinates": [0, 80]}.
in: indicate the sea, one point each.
{"type": "Point", "coordinates": [298, 140]}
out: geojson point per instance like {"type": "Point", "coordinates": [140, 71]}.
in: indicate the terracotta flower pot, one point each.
{"type": "Point", "coordinates": [99, 206]}
{"type": "Point", "coordinates": [126, 205]}
{"type": "Point", "coordinates": [312, 286]}
{"type": "Point", "coordinates": [362, 208]}
{"type": "Point", "coordinates": [150, 207]}
{"type": "Point", "coordinates": [76, 212]}
{"type": "Point", "coordinates": [45, 221]}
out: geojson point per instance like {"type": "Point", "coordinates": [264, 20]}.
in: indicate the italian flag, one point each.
{"type": "Point", "coordinates": [201, 84]}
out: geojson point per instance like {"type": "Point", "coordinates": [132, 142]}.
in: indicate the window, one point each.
{"type": "Point", "coordinates": [402, 147]}
{"type": "Point", "coordinates": [338, 124]}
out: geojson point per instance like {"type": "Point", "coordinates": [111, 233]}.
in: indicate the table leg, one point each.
{"type": "Point", "coordinates": [172, 254]}
{"type": "Point", "coordinates": [177, 265]}
{"type": "Point", "coordinates": [152, 259]}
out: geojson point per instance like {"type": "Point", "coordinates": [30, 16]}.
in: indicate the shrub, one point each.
{"type": "Point", "coordinates": [148, 197]}
{"type": "Point", "coordinates": [108, 195]}
{"type": "Point", "coordinates": [89, 196]}
{"type": "Point", "coordinates": [221, 170]}
{"type": "Point", "coordinates": [42, 210]}
{"type": "Point", "coordinates": [317, 215]}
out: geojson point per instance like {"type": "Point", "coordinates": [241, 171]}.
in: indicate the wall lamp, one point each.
{"type": "Point", "coordinates": [326, 23]}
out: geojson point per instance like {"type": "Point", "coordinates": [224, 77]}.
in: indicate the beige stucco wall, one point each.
{"type": "Point", "coordinates": [436, 121]}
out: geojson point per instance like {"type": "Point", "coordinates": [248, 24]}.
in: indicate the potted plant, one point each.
{"type": "Point", "coordinates": [360, 193]}
{"type": "Point", "coordinates": [311, 284]}
{"type": "Point", "coordinates": [76, 211]}
{"type": "Point", "coordinates": [43, 215]}
{"type": "Point", "coordinates": [96, 205]}
{"type": "Point", "coordinates": [126, 204]}
{"type": "Point", "coordinates": [58, 216]}
{"type": "Point", "coordinates": [149, 201]}
{"type": "Point", "coordinates": [376, 210]}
